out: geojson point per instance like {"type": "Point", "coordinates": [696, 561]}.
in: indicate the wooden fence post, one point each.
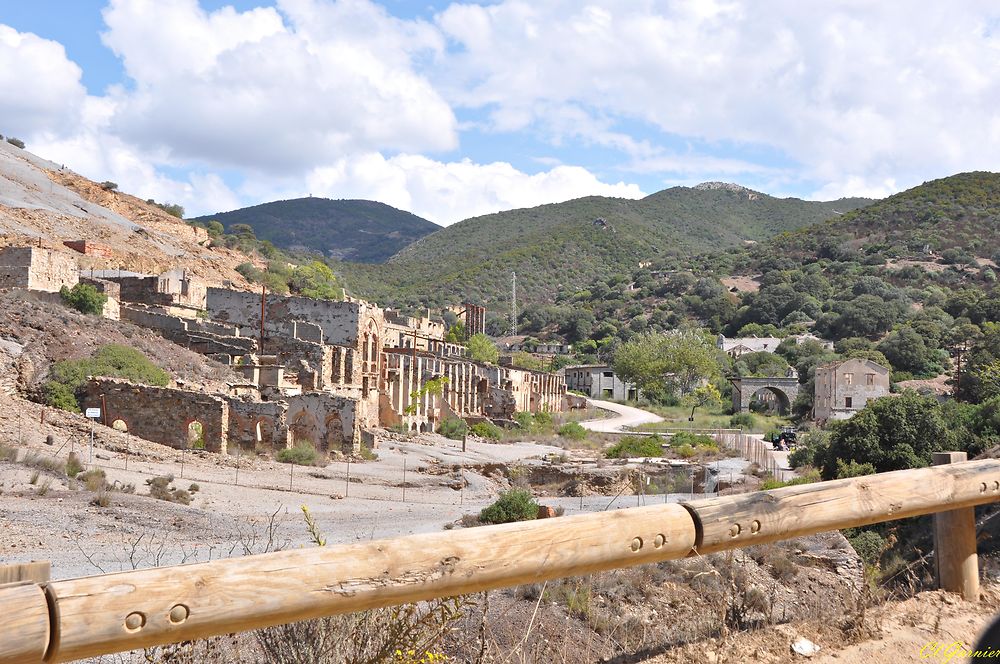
{"type": "Point", "coordinates": [955, 558]}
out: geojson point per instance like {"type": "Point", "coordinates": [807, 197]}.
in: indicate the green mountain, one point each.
{"type": "Point", "coordinates": [567, 245]}
{"type": "Point", "coordinates": [960, 213]}
{"type": "Point", "coordinates": [902, 281]}
{"type": "Point", "coordinates": [353, 230]}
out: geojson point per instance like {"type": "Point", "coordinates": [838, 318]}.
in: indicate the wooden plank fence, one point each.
{"type": "Point", "coordinates": [63, 620]}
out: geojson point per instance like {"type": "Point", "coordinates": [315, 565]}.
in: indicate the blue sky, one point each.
{"type": "Point", "coordinates": [456, 109]}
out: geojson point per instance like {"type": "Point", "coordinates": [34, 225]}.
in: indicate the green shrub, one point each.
{"type": "Point", "coordinates": [161, 489]}
{"type": "Point", "coordinates": [573, 431]}
{"type": "Point", "coordinates": [742, 421]}
{"type": "Point", "coordinates": [487, 430]}
{"type": "Point", "coordinates": [636, 446]}
{"type": "Point", "coordinates": [453, 428]}
{"type": "Point", "coordinates": [108, 185]}
{"type": "Point", "coordinates": [524, 420]}
{"type": "Point", "coordinates": [16, 142]}
{"type": "Point", "coordinates": [67, 378]}
{"type": "Point", "coordinates": [852, 468]}
{"type": "Point", "coordinates": [801, 456]}
{"type": "Point", "coordinates": [303, 454]}
{"type": "Point", "coordinates": [685, 451]}
{"type": "Point", "coordinates": [692, 439]}
{"type": "Point", "coordinates": [772, 483]}
{"type": "Point", "coordinates": [869, 545]}
{"type": "Point", "coordinates": [513, 505]}
{"type": "Point", "coordinates": [84, 298]}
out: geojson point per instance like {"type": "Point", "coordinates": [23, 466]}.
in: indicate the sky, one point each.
{"type": "Point", "coordinates": [456, 109]}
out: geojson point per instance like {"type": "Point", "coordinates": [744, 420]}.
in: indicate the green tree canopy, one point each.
{"type": "Point", "coordinates": [892, 433]}
{"type": "Point", "coordinates": [481, 349]}
{"type": "Point", "coordinates": [664, 364]}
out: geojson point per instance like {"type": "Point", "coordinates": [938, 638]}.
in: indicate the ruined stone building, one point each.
{"type": "Point", "coordinates": [314, 371]}
{"type": "Point", "coordinates": [599, 381]}
{"type": "Point", "coordinates": [37, 269]}
{"type": "Point", "coordinates": [844, 387]}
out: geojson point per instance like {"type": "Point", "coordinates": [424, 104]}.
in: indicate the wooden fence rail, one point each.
{"type": "Point", "coordinates": [70, 619]}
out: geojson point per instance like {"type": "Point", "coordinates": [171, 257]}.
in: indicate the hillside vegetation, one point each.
{"type": "Point", "coordinates": [353, 230]}
{"type": "Point", "coordinates": [867, 281]}
{"type": "Point", "coordinates": [568, 245]}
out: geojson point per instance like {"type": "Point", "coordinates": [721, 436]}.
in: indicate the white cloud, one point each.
{"type": "Point", "coordinates": [42, 88]}
{"type": "Point", "coordinates": [275, 92]}
{"type": "Point", "coordinates": [857, 93]}
{"type": "Point", "coordinates": [449, 192]}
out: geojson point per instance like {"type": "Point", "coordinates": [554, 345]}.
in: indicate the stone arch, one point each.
{"type": "Point", "coordinates": [334, 426]}
{"type": "Point", "coordinates": [304, 429]}
{"type": "Point", "coordinates": [782, 403]}
{"type": "Point", "coordinates": [194, 434]}
{"type": "Point", "coordinates": [785, 390]}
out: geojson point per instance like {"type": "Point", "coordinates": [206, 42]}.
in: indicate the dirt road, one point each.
{"type": "Point", "coordinates": [624, 418]}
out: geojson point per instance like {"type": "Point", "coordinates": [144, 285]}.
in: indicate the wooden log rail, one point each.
{"type": "Point", "coordinates": [71, 619]}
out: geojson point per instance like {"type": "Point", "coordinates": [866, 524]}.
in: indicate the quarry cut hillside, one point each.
{"type": "Point", "coordinates": [44, 203]}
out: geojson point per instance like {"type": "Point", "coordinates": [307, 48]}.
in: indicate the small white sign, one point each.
{"type": "Point", "coordinates": [93, 413]}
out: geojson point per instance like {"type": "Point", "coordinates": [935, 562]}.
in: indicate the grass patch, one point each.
{"type": "Point", "coordinates": [573, 431]}
{"type": "Point", "coordinates": [303, 454]}
{"type": "Point", "coordinates": [486, 430]}
{"type": "Point", "coordinates": [73, 465]}
{"type": "Point", "coordinates": [636, 446]}
{"type": "Point", "coordinates": [453, 428]}
{"type": "Point", "coordinates": [771, 483]}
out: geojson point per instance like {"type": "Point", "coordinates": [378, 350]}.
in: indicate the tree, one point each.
{"type": "Point", "coordinates": [316, 280]}
{"type": "Point", "coordinates": [665, 364]}
{"type": "Point", "coordinates": [456, 333]}
{"type": "Point", "coordinates": [906, 351]}
{"type": "Point", "coordinates": [84, 298]}
{"type": "Point", "coordinates": [704, 395]}
{"type": "Point", "coordinates": [481, 349]}
{"type": "Point", "coordinates": [890, 434]}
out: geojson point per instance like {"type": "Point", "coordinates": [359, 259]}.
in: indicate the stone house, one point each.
{"type": "Point", "coordinates": [844, 387]}
{"type": "Point", "coordinates": [599, 381]}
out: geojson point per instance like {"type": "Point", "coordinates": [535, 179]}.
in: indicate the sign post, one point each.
{"type": "Point", "coordinates": [92, 414]}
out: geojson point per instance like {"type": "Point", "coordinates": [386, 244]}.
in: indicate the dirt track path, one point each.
{"type": "Point", "coordinates": [624, 417]}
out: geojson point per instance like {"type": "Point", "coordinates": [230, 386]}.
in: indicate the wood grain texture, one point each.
{"type": "Point", "coordinates": [37, 571]}
{"type": "Point", "coordinates": [111, 613]}
{"type": "Point", "coordinates": [767, 516]}
{"type": "Point", "coordinates": [955, 556]}
{"type": "Point", "coordinates": [25, 636]}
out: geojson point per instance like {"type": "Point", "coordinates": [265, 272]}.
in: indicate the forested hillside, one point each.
{"type": "Point", "coordinates": [568, 245]}
{"type": "Point", "coordinates": [907, 281]}
{"type": "Point", "coordinates": [354, 230]}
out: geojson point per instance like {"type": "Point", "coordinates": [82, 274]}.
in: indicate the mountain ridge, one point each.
{"type": "Point", "coordinates": [356, 230]}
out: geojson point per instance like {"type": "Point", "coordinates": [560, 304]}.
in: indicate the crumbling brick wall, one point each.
{"type": "Point", "coordinates": [161, 414]}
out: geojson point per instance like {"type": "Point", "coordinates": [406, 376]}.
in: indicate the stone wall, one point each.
{"type": "Point", "coordinates": [342, 323]}
{"type": "Point", "coordinates": [327, 421]}
{"type": "Point", "coordinates": [258, 425]}
{"type": "Point", "coordinates": [161, 414]}
{"type": "Point", "coordinates": [37, 268]}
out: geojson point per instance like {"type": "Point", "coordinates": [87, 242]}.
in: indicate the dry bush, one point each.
{"type": "Point", "coordinates": [161, 489]}
{"type": "Point", "coordinates": [368, 637]}
{"type": "Point", "coordinates": [94, 479]}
